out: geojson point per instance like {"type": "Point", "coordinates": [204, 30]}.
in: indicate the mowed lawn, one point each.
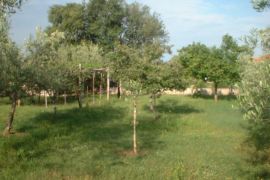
{"type": "Point", "coordinates": [193, 138]}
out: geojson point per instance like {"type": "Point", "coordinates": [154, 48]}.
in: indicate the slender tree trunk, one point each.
{"type": "Point", "coordinates": [79, 88]}
{"type": "Point", "coordinates": [46, 99]}
{"type": "Point", "coordinates": [119, 90]}
{"type": "Point", "coordinates": [87, 96]}
{"type": "Point", "coordinates": [79, 100]}
{"type": "Point", "coordinates": [10, 119]}
{"type": "Point", "coordinates": [134, 125]}
{"type": "Point", "coordinates": [100, 88]}
{"type": "Point", "coordinates": [65, 98]}
{"type": "Point", "coordinates": [54, 103]}
{"type": "Point", "coordinates": [39, 97]}
{"type": "Point", "coordinates": [108, 84]}
{"type": "Point", "coordinates": [216, 92]}
{"type": "Point", "coordinates": [153, 105]}
{"type": "Point", "coordinates": [19, 102]}
{"type": "Point", "coordinates": [93, 88]}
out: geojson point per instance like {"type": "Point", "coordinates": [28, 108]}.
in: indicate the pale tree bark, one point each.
{"type": "Point", "coordinates": [54, 102]}
{"type": "Point", "coordinates": [46, 99]}
{"type": "Point", "coordinates": [119, 89]}
{"type": "Point", "coordinates": [79, 99]}
{"type": "Point", "coordinates": [65, 98]}
{"type": "Point", "coordinates": [93, 88]}
{"type": "Point", "coordinates": [100, 88]}
{"type": "Point", "coordinates": [215, 92]}
{"type": "Point", "coordinates": [108, 84]}
{"type": "Point", "coordinates": [79, 88]}
{"type": "Point", "coordinates": [134, 125]}
{"type": "Point", "coordinates": [152, 105]}
{"type": "Point", "coordinates": [10, 119]}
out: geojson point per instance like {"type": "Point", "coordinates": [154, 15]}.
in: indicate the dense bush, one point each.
{"type": "Point", "coordinates": [255, 103]}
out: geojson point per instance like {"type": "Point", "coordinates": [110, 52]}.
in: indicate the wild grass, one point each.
{"type": "Point", "coordinates": [194, 138]}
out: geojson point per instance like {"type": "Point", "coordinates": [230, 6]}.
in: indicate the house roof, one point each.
{"type": "Point", "coordinates": [262, 58]}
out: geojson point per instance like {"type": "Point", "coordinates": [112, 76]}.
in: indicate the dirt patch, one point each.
{"type": "Point", "coordinates": [15, 134]}
{"type": "Point", "coordinates": [130, 153]}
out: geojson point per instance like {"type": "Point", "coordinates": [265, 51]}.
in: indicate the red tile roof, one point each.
{"type": "Point", "coordinates": [262, 58]}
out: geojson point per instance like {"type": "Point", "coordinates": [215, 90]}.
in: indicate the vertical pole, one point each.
{"type": "Point", "coordinates": [100, 87]}
{"type": "Point", "coordinates": [93, 87]}
{"type": "Point", "coordinates": [134, 126]}
{"type": "Point", "coordinates": [108, 84]}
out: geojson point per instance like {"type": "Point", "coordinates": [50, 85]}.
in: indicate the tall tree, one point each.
{"type": "Point", "coordinates": [141, 27]}
{"type": "Point", "coordinates": [69, 19]}
{"type": "Point", "coordinates": [217, 65]}
{"type": "Point", "coordinates": [261, 5]}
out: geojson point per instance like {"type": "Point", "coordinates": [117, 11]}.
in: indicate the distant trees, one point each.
{"type": "Point", "coordinates": [59, 67]}
{"type": "Point", "coordinates": [217, 65]}
{"type": "Point", "coordinates": [108, 22]}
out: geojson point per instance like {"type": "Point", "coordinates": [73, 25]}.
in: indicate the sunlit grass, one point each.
{"type": "Point", "coordinates": [192, 139]}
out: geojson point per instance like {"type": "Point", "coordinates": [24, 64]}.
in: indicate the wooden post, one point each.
{"type": "Point", "coordinates": [93, 87]}
{"type": "Point", "coordinates": [134, 125]}
{"type": "Point", "coordinates": [108, 85]}
{"type": "Point", "coordinates": [100, 87]}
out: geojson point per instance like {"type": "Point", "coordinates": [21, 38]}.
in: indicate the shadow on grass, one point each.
{"type": "Point", "coordinates": [257, 150]}
{"type": "Point", "coordinates": [220, 97]}
{"type": "Point", "coordinates": [104, 130]}
{"type": "Point", "coordinates": [171, 106]}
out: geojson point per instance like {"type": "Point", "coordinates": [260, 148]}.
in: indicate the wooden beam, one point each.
{"type": "Point", "coordinates": [108, 85]}
{"type": "Point", "coordinates": [94, 74]}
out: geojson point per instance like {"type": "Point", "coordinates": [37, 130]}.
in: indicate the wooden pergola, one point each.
{"type": "Point", "coordinates": [100, 71]}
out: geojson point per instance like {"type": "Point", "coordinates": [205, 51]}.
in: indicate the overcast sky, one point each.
{"type": "Point", "coordinates": [186, 21]}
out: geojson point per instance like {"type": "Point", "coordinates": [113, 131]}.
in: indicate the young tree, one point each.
{"type": "Point", "coordinates": [11, 70]}
{"type": "Point", "coordinates": [130, 63]}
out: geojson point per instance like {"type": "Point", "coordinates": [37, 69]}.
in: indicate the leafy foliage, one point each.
{"type": "Point", "coordinates": [260, 5]}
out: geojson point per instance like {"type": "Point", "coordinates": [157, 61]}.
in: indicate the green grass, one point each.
{"type": "Point", "coordinates": [192, 139]}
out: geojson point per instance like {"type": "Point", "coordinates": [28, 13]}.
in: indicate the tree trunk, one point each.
{"type": "Point", "coordinates": [153, 105]}
{"type": "Point", "coordinates": [134, 125]}
{"type": "Point", "coordinates": [54, 103]}
{"type": "Point", "coordinates": [79, 87]}
{"type": "Point", "coordinates": [46, 99]}
{"type": "Point", "coordinates": [108, 84]}
{"type": "Point", "coordinates": [19, 102]}
{"type": "Point", "coordinates": [39, 98]}
{"type": "Point", "coordinates": [100, 90]}
{"type": "Point", "coordinates": [65, 98]}
{"type": "Point", "coordinates": [79, 100]}
{"type": "Point", "coordinates": [11, 114]}
{"type": "Point", "coordinates": [119, 90]}
{"type": "Point", "coordinates": [216, 92]}
{"type": "Point", "coordinates": [93, 88]}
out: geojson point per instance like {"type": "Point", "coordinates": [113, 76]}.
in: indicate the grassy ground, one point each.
{"type": "Point", "coordinates": [192, 139]}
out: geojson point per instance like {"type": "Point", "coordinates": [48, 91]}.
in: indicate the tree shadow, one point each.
{"type": "Point", "coordinates": [171, 106]}
{"type": "Point", "coordinates": [220, 97]}
{"type": "Point", "coordinates": [257, 150]}
{"type": "Point", "coordinates": [107, 128]}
